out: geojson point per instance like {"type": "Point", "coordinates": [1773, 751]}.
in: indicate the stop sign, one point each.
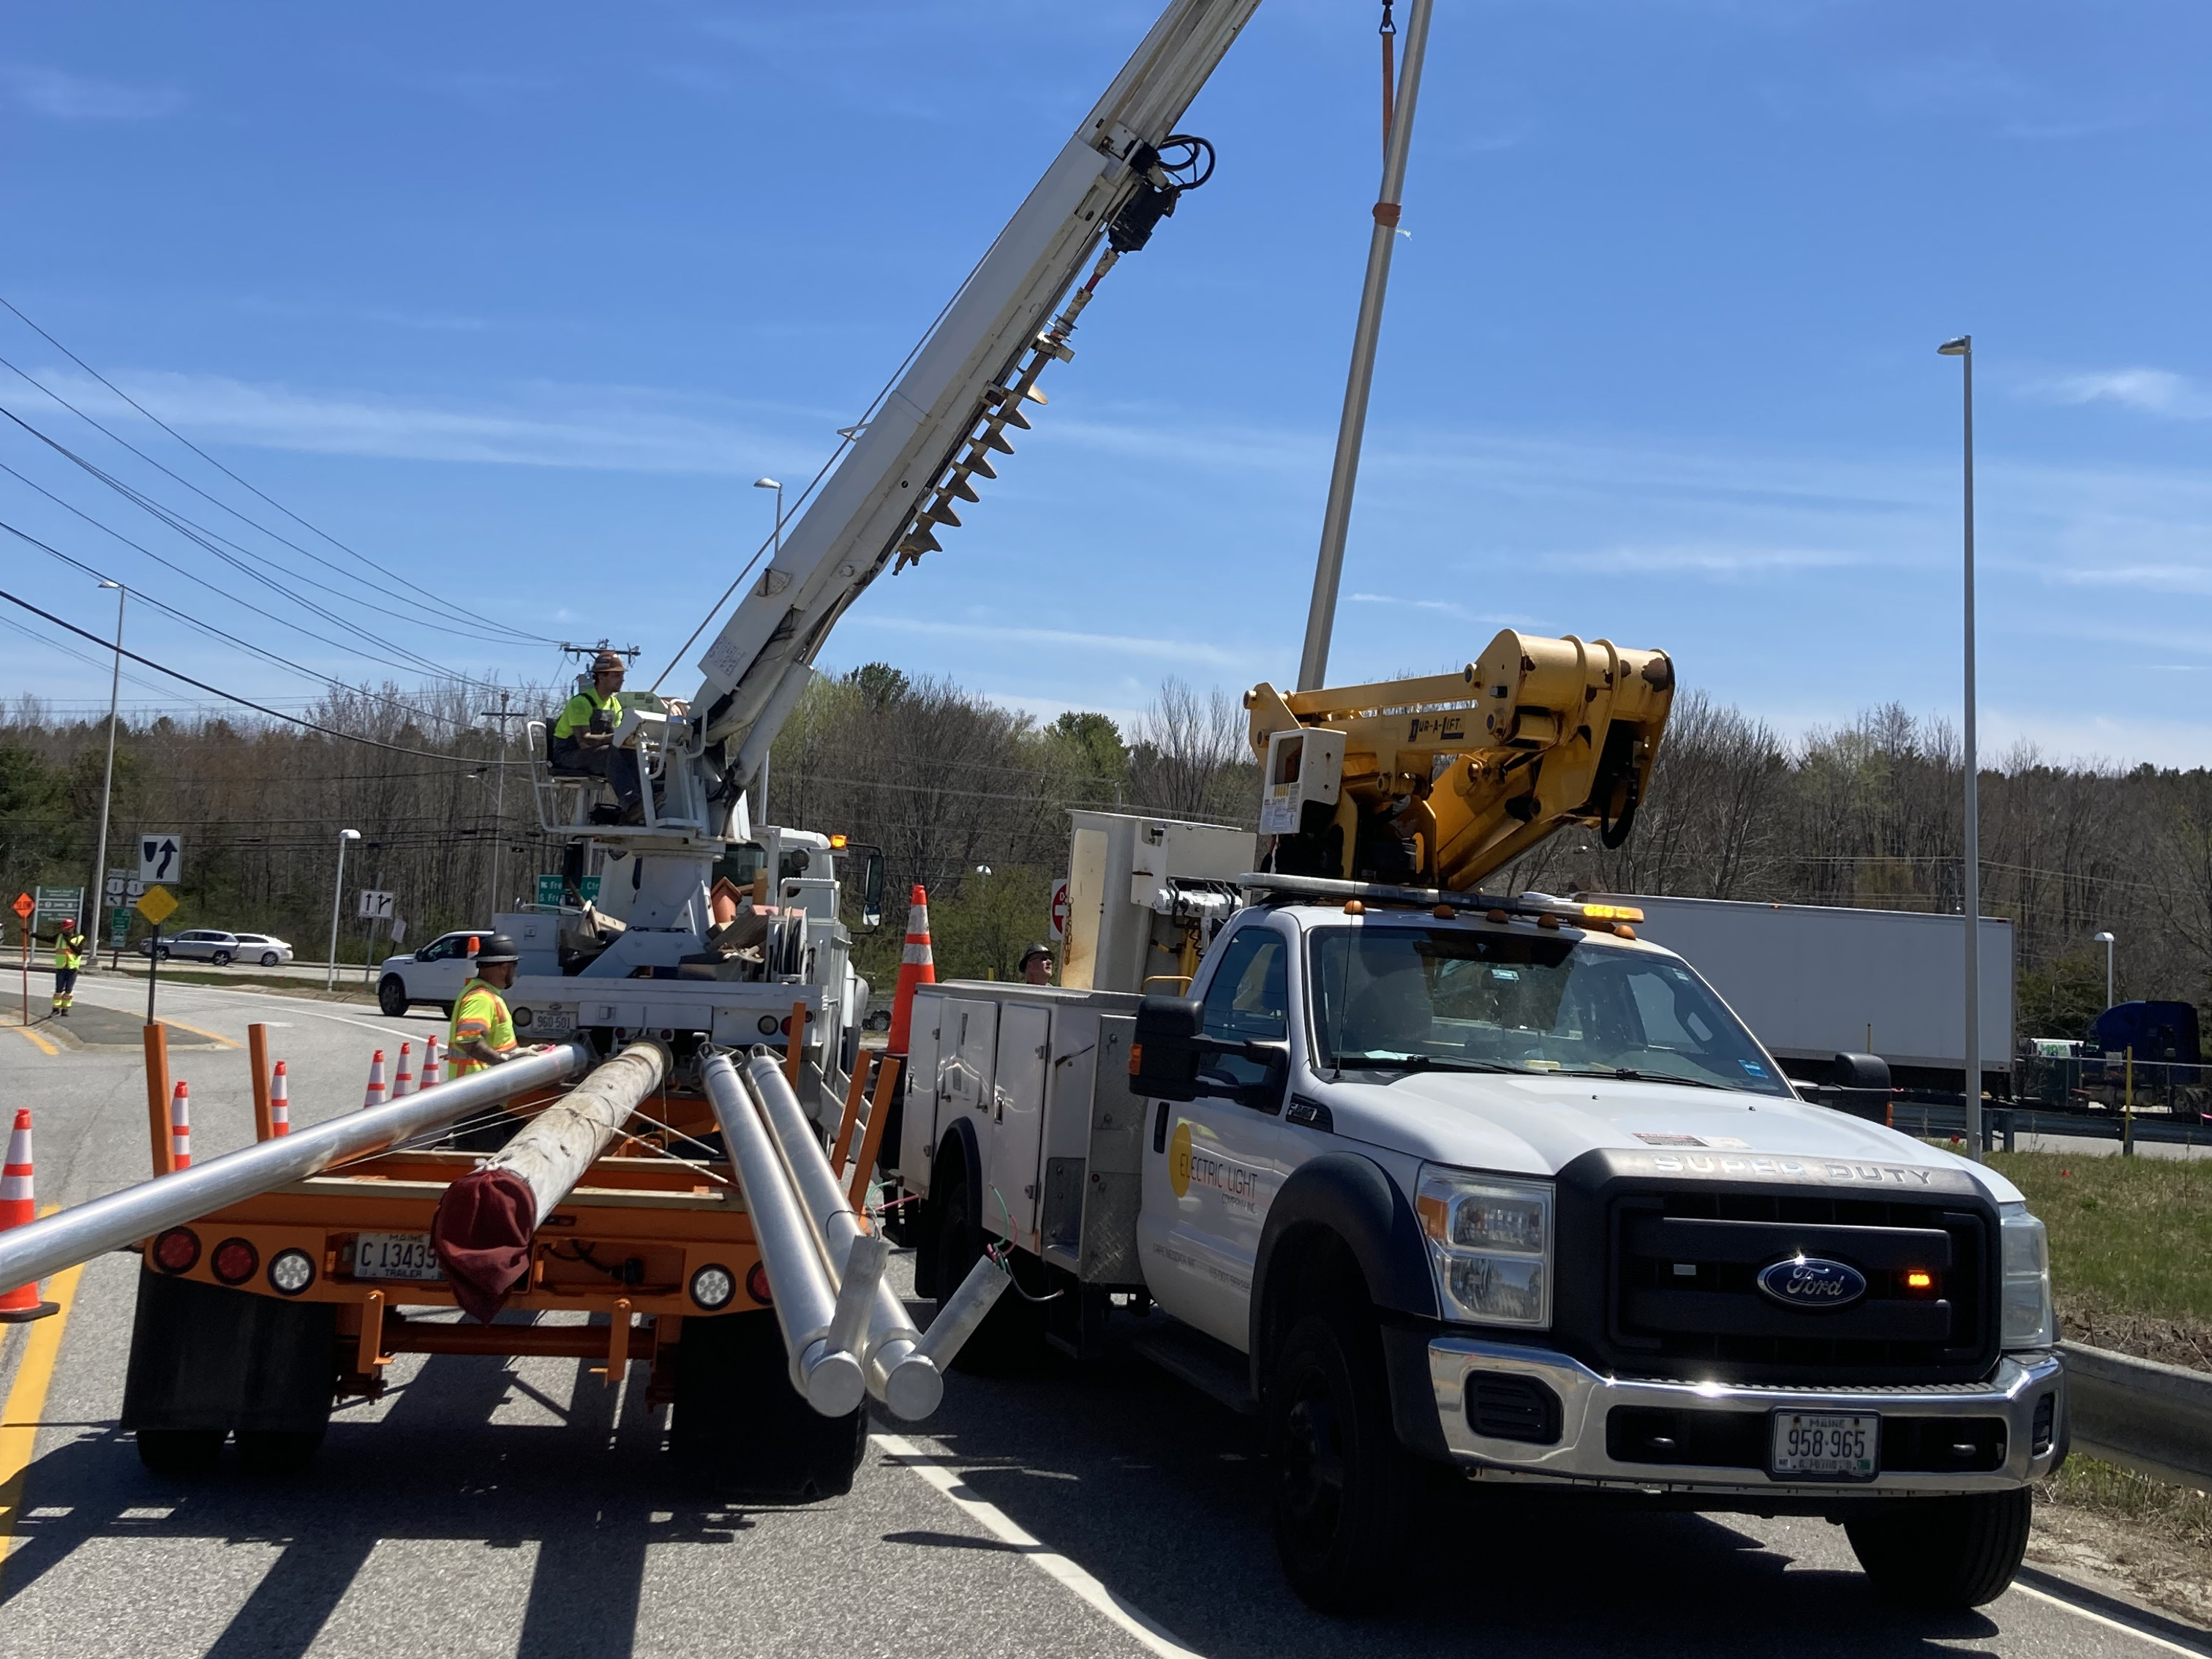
{"type": "Point", "coordinates": [1060, 910]}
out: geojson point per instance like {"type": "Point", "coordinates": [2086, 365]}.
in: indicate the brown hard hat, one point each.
{"type": "Point", "coordinates": [608, 662]}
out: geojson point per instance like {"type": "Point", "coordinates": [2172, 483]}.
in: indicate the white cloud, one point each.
{"type": "Point", "coordinates": [1128, 645]}
{"type": "Point", "coordinates": [66, 97]}
{"type": "Point", "coordinates": [2152, 390]}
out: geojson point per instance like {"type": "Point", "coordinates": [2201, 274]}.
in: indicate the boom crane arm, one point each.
{"type": "Point", "coordinates": [938, 427]}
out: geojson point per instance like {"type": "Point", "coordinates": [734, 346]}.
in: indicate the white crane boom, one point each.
{"type": "Point", "coordinates": [938, 426]}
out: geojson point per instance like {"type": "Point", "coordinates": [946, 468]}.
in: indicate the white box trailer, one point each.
{"type": "Point", "coordinates": [1815, 981]}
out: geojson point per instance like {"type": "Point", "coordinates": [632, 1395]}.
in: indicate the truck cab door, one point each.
{"type": "Point", "coordinates": [1213, 1166]}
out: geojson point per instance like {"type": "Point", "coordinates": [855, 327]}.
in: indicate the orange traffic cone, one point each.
{"type": "Point", "coordinates": [431, 1073]}
{"type": "Point", "coordinates": [916, 966]}
{"type": "Point", "coordinates": [279, 1102]}
{"type": "Point", "coordinates": [403, 1081]}
{"type": "Point", "coordinates": [375, 1094]}
{"type": "Point", "coordinates": [180, 1128]}
{"type": "Point", "coordinates": [16, 1207]}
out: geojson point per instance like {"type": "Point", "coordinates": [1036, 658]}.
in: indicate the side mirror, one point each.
{"type": "Point", "coordinates": [871, 892]}
{"type": "Point", "coordinates": [1859, 1071]}
{"type": "Point", "coordinates": [1163, 1057]}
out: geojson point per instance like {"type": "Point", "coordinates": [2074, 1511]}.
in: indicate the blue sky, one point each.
{"type": "Point", "coordinates": [518, 299]}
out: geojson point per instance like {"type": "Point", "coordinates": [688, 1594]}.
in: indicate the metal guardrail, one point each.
{"type": "Point", "coordinates": [2152, 1417]}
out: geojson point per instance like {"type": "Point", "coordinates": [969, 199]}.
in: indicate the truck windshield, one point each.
{"type": "Point", "coordinates": [1413, 998]}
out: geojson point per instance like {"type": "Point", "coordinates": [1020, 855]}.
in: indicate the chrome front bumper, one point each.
{"type": "Point", "coordinates": [1587, 1399]}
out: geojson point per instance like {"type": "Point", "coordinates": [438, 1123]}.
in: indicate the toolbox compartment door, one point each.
{"type": "Point", "coordinates": [1014, 1139]}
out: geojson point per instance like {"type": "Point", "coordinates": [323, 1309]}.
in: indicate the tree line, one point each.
{"type": "Point", "coordinates": [969, 800]}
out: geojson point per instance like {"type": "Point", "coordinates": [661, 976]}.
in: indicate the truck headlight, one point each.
{"type": "Point", "coordinates": [1490, 1245]}
{"type": "Point", "coordinates": [2027, 1319]}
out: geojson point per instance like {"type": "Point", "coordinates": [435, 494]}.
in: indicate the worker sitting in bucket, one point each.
{"type": "Point", "coordinates": [583, 739]}
{"type": "Point", "coordinates": [69, 957]}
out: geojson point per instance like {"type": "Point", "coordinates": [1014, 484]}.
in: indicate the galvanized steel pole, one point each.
{"type": "Point", "coordinates": [82, 1231]}
{"type": "Point", "coordinates": [1344, 476]}
{"type": "Point", "coordinates": [1963, 349]}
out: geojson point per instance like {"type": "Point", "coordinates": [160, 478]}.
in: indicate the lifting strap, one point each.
{"type": "Point", "coordinates": [1389, 34]}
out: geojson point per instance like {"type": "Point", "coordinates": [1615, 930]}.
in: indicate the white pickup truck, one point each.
{"type": "Point", "coordinates": [1495, 1185]}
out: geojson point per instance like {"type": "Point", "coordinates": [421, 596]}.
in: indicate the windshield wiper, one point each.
{"type": "Point", "coordinates": [1418, 1063]}
{"type": "Point", "coordinates": [1634, 1075]}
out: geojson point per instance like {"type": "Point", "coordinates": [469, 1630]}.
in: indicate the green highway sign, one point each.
{"type": "Point", "coordinates": [548, 889]}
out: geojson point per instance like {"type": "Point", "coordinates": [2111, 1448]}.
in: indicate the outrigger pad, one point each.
{"type": "Point", "coordinates": [481, 1234]}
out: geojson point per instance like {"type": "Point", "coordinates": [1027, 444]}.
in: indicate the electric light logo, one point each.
{"type": "Point", "coordinates": [1179, 1159]}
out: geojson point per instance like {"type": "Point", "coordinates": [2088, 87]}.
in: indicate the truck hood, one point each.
{"type": "Point", "coordinates": [1536, 1125]}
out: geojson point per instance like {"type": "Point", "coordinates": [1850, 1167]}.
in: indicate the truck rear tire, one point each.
{"type": "Point", "coordinates": [1944, 1554]}
{"type": "Point", "coordinates": [182, 1454]}
{"type": "Point", "coordinates": [206, 1361]}
{"type": "Point", "coordinates": [1343, 1488]}
{"type": "Point", "coordinates": [739, 1421]}
{"type": "Point", "coordinates": [391, 996]}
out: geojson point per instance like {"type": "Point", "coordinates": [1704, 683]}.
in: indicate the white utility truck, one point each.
{"type": "Point", "coordinates": [1428, 1176]}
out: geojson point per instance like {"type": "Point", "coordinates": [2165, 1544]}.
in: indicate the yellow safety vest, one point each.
{"type": "Point", "coordinates": [478, 1012]}
{"type": "Point", "coordinates": [577, 715]}
{"type": "Point", "coordinates": [66, 948]}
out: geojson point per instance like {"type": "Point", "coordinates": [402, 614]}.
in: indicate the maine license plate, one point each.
{"type": "Point", "coordinates": [395, 1255]}
{"type": "Point", "coordinates": [1826, 1446]}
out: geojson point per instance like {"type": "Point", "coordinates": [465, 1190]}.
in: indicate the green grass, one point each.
{"type": "Point", "coordinates": [2129, 1235]}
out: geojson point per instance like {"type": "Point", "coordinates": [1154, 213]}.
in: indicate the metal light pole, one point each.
{"type": "Point", "coordinates": [337, 897]}
{"type": "Point", "coordinates": [2106, 940]}
{"type": "Point", "coordinates": [760, 789]}
{"type": "Point", "coordinates": [1962, 347]}
{"type": "Point", "coordinates": [97, 899]}
{"type": "Point", "coordinates": [1336, 517]}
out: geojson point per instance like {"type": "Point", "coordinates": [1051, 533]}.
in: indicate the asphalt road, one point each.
{"type": "Point", "coordinates": [525, 1508]}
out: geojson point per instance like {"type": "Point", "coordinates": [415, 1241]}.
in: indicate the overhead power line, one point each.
{"type": "Point", "coordinates": [232, 696]}
{"type": "Point", "coordinates": [362, 558]}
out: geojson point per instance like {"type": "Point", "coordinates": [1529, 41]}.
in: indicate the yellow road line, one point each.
{"type": "Point", "coordinates": [26, 1403]}
{"type": "Point", "coordinates": [30, 1036]}
{"type": "Point", "coordinates": [212, 1037]}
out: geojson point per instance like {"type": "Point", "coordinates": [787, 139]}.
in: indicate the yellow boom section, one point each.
{"type": "Point", "coordinates": [1440, 779]}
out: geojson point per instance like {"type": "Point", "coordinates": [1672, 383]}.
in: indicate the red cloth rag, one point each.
{"type": "Point", "coordinates": [481, 1234]}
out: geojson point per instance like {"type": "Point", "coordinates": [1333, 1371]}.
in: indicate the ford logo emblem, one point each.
{"type": "Point", "coordinates": [1806, 1281]}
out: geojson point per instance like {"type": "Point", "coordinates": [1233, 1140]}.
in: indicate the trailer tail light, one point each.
{"type": "Point", "coordinates": [177, 1251]}
{"type": "Point", "coordinates": [766, 1025]}
{"type": "Point", "coordinates": [234, 1260]}
{"type": "Point", "coordinates": [291, 1271]}
{"type": "Point", "coordinates": [713, 1286]}
{"type": "Point", "coordinates": [756, 1285]}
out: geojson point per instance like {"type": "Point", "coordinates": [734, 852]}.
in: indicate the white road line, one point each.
{"type": "Point", "coordinates": [1047, 1560]}
{"type": "Point", "coordinates": [2135, 1631]}
{"type": "Point", "coordinates": [272, 999]}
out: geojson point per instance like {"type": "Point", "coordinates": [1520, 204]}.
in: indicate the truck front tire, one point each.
{"type": "Point", "coordinates": [1343, 1488]}
{"type": "Point", "coordinates": [1944, 1554]}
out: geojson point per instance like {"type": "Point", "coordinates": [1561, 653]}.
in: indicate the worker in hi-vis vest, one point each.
{"type": "Point", "coordinates": [583, 739]}
{"type": "Point", "coordinates": [69, 957]}
{"type": "Point", "coordinates": [483, 1032]}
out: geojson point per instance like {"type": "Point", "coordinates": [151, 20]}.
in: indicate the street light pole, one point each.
{"type": "Point", "coordinates": [760, 789]}
{"type": "Point", "coordinates": [2106, 940]}
{"type": "Point", "coordinates": [337, 897]}
{"type": "Point", "coordinates": [1352, 427]}
{"type": "Point", "coordinates": [97, 899]}
{"type": "Point", "coordinates": [1962, 347]}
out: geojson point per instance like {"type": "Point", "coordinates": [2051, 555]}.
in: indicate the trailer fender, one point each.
{"type": "Point", "coordinates": [957, 1148]}
{"type": "Point", "coordinates": [1350, 1200]}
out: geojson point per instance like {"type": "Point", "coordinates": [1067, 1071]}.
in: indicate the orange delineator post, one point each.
{"type": "Point", "coordinates": [872, 1142]}
{"type": "Point", "coordinates": [916, 966]}
{"type": "Point", "coordinates": [181, 1127]}
{"type": "Point", "coordinates": [280, 1102]}
{"type": "Point", "coordinates": [855, 1094]}
{"type": "Point", "coordinates": [157, 1094]}
{"type": "Point", "coordinates": [256, 1056]}
{"type": "Point", "coordinates": [793, 1047]}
